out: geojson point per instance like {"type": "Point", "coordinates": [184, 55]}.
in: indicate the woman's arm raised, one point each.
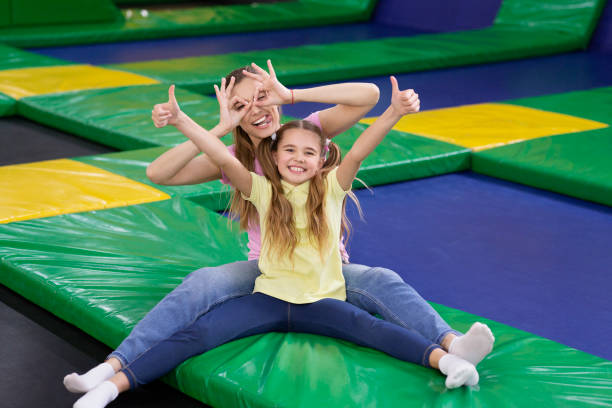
{"type": "Point", "coordinates": [181, 164]}
{"type": "Point", "coordinates": [402, 103]}
{"type": "Point", "coordinates": [352, 100]}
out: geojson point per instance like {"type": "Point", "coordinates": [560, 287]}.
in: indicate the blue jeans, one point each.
{"type": "Point", "coordinates": [375, 290]}
{"type": "Point", "coordinates": [259, 313]}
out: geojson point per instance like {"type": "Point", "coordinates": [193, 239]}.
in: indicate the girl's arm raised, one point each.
{"type": "Point", "coordinates": [352, 100]}
{"type": "Point", "coordinates": [402, 103]}
{"type": "Point", "coordinates": [181, 164]}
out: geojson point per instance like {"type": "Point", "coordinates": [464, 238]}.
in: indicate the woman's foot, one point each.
{"type": "Point", "coordinates": [474, 345]}
{"type": "Point", "coordinates": [458, 371]}
{"type": "Point", "coordinates": [90, 380]}
{"type": "Point", "coordinates": [99, 397]}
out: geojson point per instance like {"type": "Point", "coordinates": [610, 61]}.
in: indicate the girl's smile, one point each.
{"type": "Point", "coordinates": [298, 156]}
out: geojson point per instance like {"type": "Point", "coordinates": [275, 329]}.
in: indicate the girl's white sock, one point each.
{"type": "Point", "coordinates": [88, 381]}
{"type": "Point", "coordinates": [458, 371]}
{"type": "Point", "coordinates": [474, 345]}
{"type": "Point", "coordinates": [99, 397]}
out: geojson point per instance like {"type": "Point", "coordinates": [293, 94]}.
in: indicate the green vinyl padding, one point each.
{"type": "Point", "coordinates": [192, 21]}
{"type": "Point", "coordinates": [134, 255]}
{"type": "Point", "coordinates": [540, 28]}
{"type": "Point", "coordinates": [131, 257]}
{"type": "Point", "coordinates": [577, 164]}
{"type": "Point", "coordinates": [44, 12]}
{"type": "Point", "coordinates": [117, 117]}
{"type": "Point", "coordinates": [8, 106]}
{"type": "Point", "coordinates": [13, 58]}
{"type": "Point", "coordinates": [121, 118]}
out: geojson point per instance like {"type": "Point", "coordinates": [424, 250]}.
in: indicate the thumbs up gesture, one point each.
{"type": "Point", "coordinates": [403, 102]}
{"type": "Point", "coordinates": [166, 113]}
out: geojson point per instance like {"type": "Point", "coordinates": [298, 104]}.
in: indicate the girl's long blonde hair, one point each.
{"type": "Point", "coordinates": [246, 212]}
{"type": "Point", "coordinates": [281, 234]}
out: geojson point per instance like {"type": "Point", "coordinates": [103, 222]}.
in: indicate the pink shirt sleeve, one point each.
{"type": "Point", "coordinates": [314, 119]}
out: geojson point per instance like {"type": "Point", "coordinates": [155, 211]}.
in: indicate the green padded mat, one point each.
{"type": "Point", "coordinates": [106, 283]}
{"type": "Point", "coordinates": [577, 164]}
{"type": "Point", "coordinates": [523, 28]}
{"type": "Point", "coordinates": [121, 118]}
{"type": "Point", "coordinates": [8, 106]}
{"type": "Point", "coordinates": [13, 58]}
{"type": "Point", "coordinates": [299, 370]}
{"type": "Point", "coordinates": [117, 117]}
{"type": "Point", "coordinates": [131, 257]}
{"type": "Point", "coordinates": [192, 21]}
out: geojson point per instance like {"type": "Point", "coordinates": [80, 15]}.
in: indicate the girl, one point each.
{"type": "Point", "coordinates": [375, 290]}
{"type": "Point", "coordinates": [299, 203]}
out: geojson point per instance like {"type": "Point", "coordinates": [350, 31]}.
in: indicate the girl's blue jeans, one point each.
{"type": "Point", "coordinates": [374, 290]}
{"type": "Point", "coordinates": [259, 313]}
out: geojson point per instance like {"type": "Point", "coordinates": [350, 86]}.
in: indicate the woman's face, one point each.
{"type": "Point", "coordinates": [259, 122]}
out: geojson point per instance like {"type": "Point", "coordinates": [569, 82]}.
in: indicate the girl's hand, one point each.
{"type": "Point", "coordinates": [275, 92]}
{"type": "Point", "coordinates": [166, 113]}
{"type": "Point", "coordinates": [404, 102]}
{"type": "Point", "coordinates": [231, 110]}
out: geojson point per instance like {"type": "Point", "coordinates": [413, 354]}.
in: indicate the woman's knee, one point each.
{"type": "Point", "coordinates": [230, 278]}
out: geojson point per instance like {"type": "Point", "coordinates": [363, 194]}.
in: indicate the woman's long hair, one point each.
{"type": "Point", "coordinates": [245, 152]}
{"type": "Point", "coordinates": [281, 233]}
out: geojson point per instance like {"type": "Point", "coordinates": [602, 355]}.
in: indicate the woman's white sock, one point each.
{"type": "Point", "coordinates": [91, 379]}
{"type": "Point", "coordinates": [99, 397]}
{"type": "Point", "coordinates": [474, 345]}
{"type": "Point", "coordinates": [458, 371]}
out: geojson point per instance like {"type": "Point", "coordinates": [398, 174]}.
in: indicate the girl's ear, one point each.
{"type": "Point", "coordinates": [321, 162]}
{"type": "Point", "coordinates": [274, 154]}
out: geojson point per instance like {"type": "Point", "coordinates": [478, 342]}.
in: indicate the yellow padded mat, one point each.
{"type": "Point", "coordinates": [488, 125]}
{"type": "Point", "coordinates": [47, 188]}
{"type": "Point", "coordinates": [23, 82]}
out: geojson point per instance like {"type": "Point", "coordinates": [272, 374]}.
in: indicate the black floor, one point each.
{"type": "Point", "coordinates": [24, 141]}
{"type": "Point", "coordinates": [38, 349]}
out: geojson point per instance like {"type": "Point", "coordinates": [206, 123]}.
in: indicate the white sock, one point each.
{"type": "Point", "coordinates": [474, 345]}
{"type": "Point", "coordinates": [99, 397]}
{"type": "Point", "coordinates": [458, 371]}
{"type": "Point", "coordinates": [91, 379]}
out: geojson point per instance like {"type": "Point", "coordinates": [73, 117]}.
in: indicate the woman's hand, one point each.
{"type": "Point", "coordinates": [166, 113]}
{"type": "Point", "coordinates": [231, 110]}
{"type": "Point", "coordinates": [403, 102]}
{"type": "Point", "coordinates": [275, 92]}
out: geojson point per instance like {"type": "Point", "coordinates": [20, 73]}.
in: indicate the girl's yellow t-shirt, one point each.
{"type": "Point", "coordinates": [307, 276]}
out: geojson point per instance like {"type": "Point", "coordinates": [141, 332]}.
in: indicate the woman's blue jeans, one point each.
{"type": "Point", "coordinates": [259, 313]}
{"type": "Point", "coordinates": [374, 290]}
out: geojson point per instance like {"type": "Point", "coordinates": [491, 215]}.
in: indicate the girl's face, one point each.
{"type": "Point", "coordinates": [298, 156]}
{"type": "Point", "coordinates": [259, 122]}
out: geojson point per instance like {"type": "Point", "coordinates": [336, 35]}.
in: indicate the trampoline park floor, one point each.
{"type": "Point", "coordinates": [448, 225]}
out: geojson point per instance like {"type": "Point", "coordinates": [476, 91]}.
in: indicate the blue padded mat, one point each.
{"type": "Point", "coordinates": [492, 82]}
{"type": "Point", "coordinates": [222, 44]}
{"type": "Point", "coordinates": [535, 260]}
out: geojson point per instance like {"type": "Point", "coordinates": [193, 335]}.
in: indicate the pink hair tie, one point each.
{"type": "Point", "coordinates": [326, 148]}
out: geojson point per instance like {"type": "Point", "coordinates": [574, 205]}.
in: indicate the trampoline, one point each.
{"type": "Point", "coordinates": [515, 233]}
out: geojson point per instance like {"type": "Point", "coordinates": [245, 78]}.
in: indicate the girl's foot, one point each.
{"type": "Point", "coordinates": [458, 371]}
{"type": "Point", "coordinates": [474, 345]}
{"type": "Point", "coordinates": [99, 397]}
{"type": "Point", "coordinates": [88, 381]}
